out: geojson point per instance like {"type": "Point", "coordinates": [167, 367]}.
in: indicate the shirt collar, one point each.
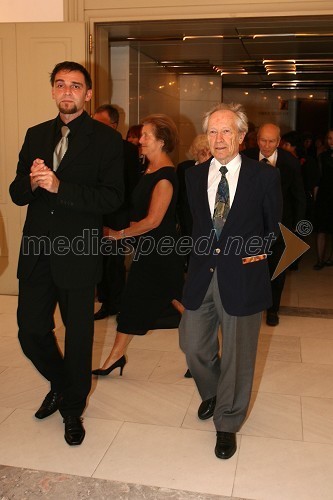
{"type": "Point", "coordinates": [232, 166]}
{"type": "Point", "coordinates": [73, 125]}
{"type": "Point", "coordinates": [272, 159]}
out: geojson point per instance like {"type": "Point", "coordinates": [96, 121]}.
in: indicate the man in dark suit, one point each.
{"type": "Point", "coordinates": [227, 283]}
{"type": "Point", "coordinates": [111, 288]}
{"type": "Point", "coordinates": [67, 193]}
{"type": "Point", "coordinates": [294, 201]}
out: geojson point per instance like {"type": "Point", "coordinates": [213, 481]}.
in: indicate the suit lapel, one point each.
{"type": "Point", "coordinates": [202, 193]}
{"type": "Point", "coordinates": [47, 143]}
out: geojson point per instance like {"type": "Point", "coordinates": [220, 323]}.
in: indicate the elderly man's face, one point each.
{"type": "Point", "coordinates": [223, 136]}
{"type": "Point", "coordinates": [268, 139]}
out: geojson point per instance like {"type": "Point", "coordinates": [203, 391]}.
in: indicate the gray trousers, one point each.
{"type": "Point", "coordinates": [229, 377]}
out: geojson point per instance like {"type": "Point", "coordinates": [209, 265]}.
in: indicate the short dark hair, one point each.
{"type": "Point", "coordinates": [294, 138]}
{"type": "Point", "coordinates": [164, 129]}
{"type": "Point", "coordinates": [71, 66]}
{"type": "Point", "coordinates": [134, 131]}
{"type": "Point", "coordinates": [111, 111]}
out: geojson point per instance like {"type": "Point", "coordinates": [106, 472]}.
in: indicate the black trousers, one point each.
{"type": "Point", "coordinates": [68, 372]}
{"type": "Point", "coordinates": [278, 283]}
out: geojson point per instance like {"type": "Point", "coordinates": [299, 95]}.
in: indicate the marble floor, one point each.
{"type": "Point", "coordinates": [144, 439]}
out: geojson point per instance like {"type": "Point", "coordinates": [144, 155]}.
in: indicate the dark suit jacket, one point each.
{"type": "Point", "coordinates": [183, 209]}
{"type": "Point", "coordinates": [294, 201]}
{"type": "Point", "coordinates": [69, 222]}
{"type": "Point", "coordinates": [256, 210]}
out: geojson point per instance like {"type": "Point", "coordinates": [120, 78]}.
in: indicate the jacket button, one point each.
{"type": "Point", "coordinates": [52, 212]}
{"type": "Point", "coordinates": [217, 251]}
{"type": "Point", "coordinates": [211, 270]}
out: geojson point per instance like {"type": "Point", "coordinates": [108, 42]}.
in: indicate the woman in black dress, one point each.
{"type": "Point", "coordinates": [156, 275]}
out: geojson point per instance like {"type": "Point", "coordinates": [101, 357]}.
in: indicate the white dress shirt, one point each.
{"type": "Point", "coordinates": [214, 177]}
{"type": "Point", "coordinates": [271, 159]}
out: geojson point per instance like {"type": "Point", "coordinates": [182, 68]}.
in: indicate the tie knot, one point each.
{"type": "Point", "coordinates": [223, 170]}
{"type": "Point", "coordinates": [265, 160]}
{"type": "Point", "coordinates": [64, 131]}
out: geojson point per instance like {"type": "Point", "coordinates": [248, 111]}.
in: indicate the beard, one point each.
{"type": "Point", "coordinates": [68, 109]}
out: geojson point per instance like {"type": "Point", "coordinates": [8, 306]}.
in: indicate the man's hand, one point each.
{"type": "Point", "coordinates": [43, 177]}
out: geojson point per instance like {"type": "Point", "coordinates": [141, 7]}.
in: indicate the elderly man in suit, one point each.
{"type": "Point", "coordinates": [236, 205]}
{"type": "Point", "coordinates": [294, 201]}
{"type": "Point", "coordinates": [69, 174]}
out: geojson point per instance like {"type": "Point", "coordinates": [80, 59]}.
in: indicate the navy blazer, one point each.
{"type": "Point", "coordinates": [293, 192]}
{"type": "Point", "coordinates": [69, 222]}
{"type": "Point", "coordinates": [251, 225]}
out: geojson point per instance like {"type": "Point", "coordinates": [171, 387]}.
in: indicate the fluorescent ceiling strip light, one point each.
{"type": "Point", "coordinates": [293, 35]}
{"type": "Point", "coordinates": [198, 37]}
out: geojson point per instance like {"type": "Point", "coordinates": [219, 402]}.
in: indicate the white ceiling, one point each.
{"type": "Point", "coordinates": [306, 40]}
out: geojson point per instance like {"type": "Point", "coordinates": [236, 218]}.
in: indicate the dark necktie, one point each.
{"type": "Point", "coordinates": [266, 160]}
{"type": "Point", "coordinates": [222, 202]}
{"type": "Point", "coordinates": [60, 148]}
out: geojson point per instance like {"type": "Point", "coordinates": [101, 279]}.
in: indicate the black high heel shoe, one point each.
{"type": "Point", "coordinates": [118, 364]}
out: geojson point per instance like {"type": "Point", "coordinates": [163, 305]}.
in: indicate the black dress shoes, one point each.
{"type": "Point", "coordinates": [272, 319]}
{"type": "Point", "coordinates": [74, 430]}
{"type": "Point", "coordinates": [206, 409]}
{"type": "Point", "coordinates": [120, 363]}
{"type": "Point", "coordinates": [49, 405]}
{"type": "Point", "coordinates": [226, 445]}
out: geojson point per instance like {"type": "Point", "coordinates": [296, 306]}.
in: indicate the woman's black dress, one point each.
{"type": "Point", "coordinates": [156, 273]}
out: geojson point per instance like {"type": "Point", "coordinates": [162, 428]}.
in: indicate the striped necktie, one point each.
{"type": "Point", "coordinates": [60, 148]}
{"type": "Point", "coordinates": [222, 202]}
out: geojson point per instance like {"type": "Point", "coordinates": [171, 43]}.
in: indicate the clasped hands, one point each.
{"type": "Point", "coordinates": [43, 177]}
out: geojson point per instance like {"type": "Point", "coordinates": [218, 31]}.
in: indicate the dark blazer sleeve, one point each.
{"type": "Point", "coordinates": [20, 189]}
{"type": "Point", "coordinates": [293, 192]}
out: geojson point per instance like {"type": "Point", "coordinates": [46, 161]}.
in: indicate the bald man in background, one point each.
{"type": "Point", "coordinates": [294, 202]}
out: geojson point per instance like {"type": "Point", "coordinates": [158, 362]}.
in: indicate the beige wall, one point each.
{"type": "Point", "coordinates": [191, 9]}
{"type": "Point", "coordinates": [56, 10]}
{"type": "Point", "coordinates": [16, 11]}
